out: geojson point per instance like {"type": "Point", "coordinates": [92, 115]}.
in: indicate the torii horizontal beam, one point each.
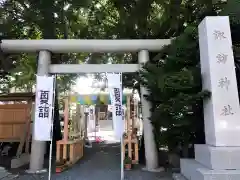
{"type": "Point", "coordinates": [92, 68]}
{"type": "Point", "coordinates": [82, 45]}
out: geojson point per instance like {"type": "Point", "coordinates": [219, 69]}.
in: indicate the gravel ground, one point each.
{"type": "Point", "coordinates": [100, 162]}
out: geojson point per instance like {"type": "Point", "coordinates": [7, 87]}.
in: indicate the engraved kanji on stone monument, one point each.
{"type": "Point", "coordinates": [227, 110]}
{"type": "Point", "coordinates": [219, 35]}
{"type": "Point", "coordinates": [224, 83]}
{"type": "Point", "coordinates": [222, 58]}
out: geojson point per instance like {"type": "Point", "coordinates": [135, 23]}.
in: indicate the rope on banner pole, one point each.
{"type": "Point", "coordinates": [96, 121]}
{"type": "Point", "coordinates": [122, 163]}
{"type": "Point", "coordinates": [122, 143]}
{"type": "Point", "coordinates": [51, 143]}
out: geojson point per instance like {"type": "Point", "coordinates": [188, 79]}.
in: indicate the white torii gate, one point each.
{"type": "Point", "coordinates": [46, 47]}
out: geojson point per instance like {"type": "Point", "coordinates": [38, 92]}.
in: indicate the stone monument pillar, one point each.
{"type": "Point", "coordinates": [219, 158]}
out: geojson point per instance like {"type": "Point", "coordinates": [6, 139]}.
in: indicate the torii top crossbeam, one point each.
{"type": "Point", "coordinates": [82, 45]}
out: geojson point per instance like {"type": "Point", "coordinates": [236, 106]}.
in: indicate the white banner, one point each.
{"type": "Point", "coordinates": [91, 122]}
{"type": "Point", "coordinates": [114, 79]}
{"type": "Point", "coordinates": [44, 108]}
{"type": "Point", "coordinates": [115, 90]}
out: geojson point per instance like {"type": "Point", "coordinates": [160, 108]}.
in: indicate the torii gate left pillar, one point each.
{"type": "Point", "coordinates": [39, 147]}
{"type": "Point", "coordinates": [46, 47]}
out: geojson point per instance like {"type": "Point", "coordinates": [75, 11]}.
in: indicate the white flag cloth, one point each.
{"type": "Point", "coordinates": [92, 120]}
{"type": "Point", "coordinates": [115, 90]}
{"type": "Point", "coordinates": [44, 108]}
{"type": "Point", "coordinates": [114, 80]}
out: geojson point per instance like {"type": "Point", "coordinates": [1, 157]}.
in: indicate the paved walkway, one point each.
{"type": "Point", "coordinates": [101, 162]}
{"type": "Point", "coordinates": [105, 164]}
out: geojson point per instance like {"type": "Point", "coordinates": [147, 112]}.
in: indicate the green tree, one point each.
{"type": "Point", "coordinates": [174, 83]}
{"type": "Point", "coordinates": [173, 79]}
{"type": "Point", "coordinates": [22, 19]}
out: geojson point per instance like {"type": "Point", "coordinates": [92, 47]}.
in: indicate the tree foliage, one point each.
{"type": "Point", "coordinates": [29, 19]}
{"type": "Point", "coordinates": [174, 83]}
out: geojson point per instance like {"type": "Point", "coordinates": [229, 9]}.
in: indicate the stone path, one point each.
{"type": "Point", "coordinates": [100, 162]}
{"type": "Point", "coordinates": [5, 175]}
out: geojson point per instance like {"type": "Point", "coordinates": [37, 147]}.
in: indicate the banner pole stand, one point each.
{"type": "Point", "coordinates": [122, 143]}
{"type": "Point", "coordinates": [50, 158]}
{"type": "Point", "coordinates": [51, 143]}
{"type": "Point", "coordinates": [95, 133]}
{"type": "Point", "coordinates": [122, 163]}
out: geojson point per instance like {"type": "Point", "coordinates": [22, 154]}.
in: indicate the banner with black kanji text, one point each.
{"type": "Point", "coordinates": [115, 90]}
{"type": "Point", "coordinates": [44, 108]}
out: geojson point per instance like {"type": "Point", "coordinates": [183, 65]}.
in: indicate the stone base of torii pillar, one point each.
{"type": "Point", "coordinates": [219, 158]}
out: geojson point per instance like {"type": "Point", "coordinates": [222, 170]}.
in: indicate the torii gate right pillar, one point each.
{"type": "Point", "coordinates": [150, 146]}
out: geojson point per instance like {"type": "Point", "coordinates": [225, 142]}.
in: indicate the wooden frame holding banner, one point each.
{"type": "Point", "coordinates": [70, 148]}
{"type": "Point", "coordinates": [130, 136]}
